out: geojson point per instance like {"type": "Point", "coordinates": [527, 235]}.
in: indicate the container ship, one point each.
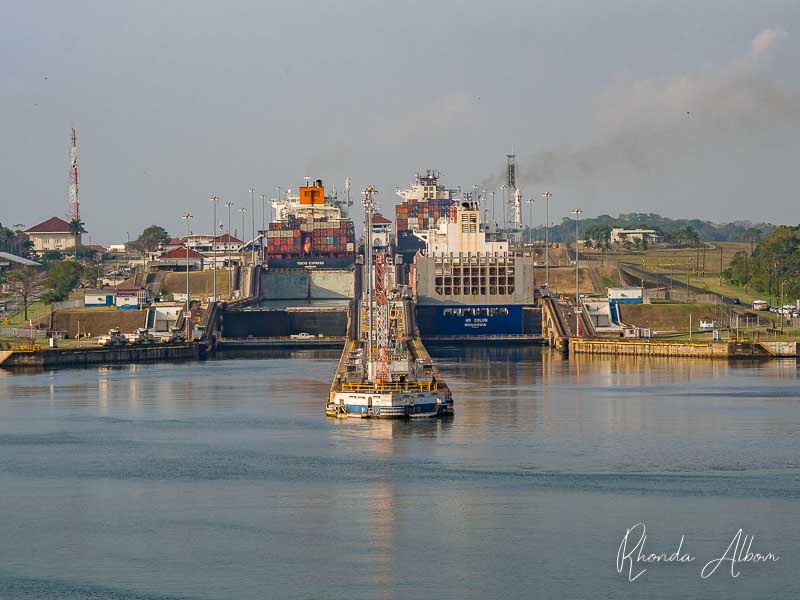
{"type": "Point", "coordinates": [469, 281]}
{"type": "Point", "coordinates": [310, 231]}
{"type": "Point", "coordinates": [310, 248]}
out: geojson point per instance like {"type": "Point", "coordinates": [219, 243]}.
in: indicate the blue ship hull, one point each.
{"type": "Point", "coordinates": [476, 320]}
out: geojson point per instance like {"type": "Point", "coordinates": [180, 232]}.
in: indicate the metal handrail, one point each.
{"type": "Point", "coordinates": [429, 386]}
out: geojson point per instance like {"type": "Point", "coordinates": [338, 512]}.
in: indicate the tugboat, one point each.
{"type": "Point", "coordinates": [385, 371]}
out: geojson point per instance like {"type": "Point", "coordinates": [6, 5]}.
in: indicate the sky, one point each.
{"type": "Point", "coordinates": [684, 108]}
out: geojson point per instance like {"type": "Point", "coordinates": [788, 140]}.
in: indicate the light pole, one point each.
{"type": "Point", "coordinates": [252, 224]}
{"type": "Point", "coordinates": [214, 201]}
{"type": "Point", "coordinates": [530, 202]}
{"type": "Point", "coordinates": [263, 222]}
{"type": "Point", "coordinates": [577, 212]}
{"type": "Point", "coordinates": [242, 210]}
{"type": "Point", "coordinates": [503, 189]}
{"type": "Point", "coordinates": [187, 317]}
{"type": "Point", "coordinates": [547, 196]}
{"type": "Point", "coordinates": [229, 204]}
{"type": "Point", "coordinates": [494, 193]}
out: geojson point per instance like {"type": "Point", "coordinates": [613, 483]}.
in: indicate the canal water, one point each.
{"type": "Point", "coordinates": [224, 480]}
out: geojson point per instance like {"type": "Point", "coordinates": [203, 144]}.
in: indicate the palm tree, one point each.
{"type": "Point", "coordinates": [76, 229]}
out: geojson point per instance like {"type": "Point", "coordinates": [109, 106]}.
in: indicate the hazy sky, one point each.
{"type": "Point", "coordinates": [688, 109]}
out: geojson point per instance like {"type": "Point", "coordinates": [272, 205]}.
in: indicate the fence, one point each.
{"type": "Point", "coordinates": [67, 304]}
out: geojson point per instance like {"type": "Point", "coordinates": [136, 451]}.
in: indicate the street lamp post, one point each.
{"type": "Point", "coordinates": [229, 204]}
{"type": "Point", "coordinates": [503, 190]}
{"type": "Point", "coordinates": [252, 225]}
{"type": "Point", "coordinates": [530, 202]}
{"type": "Point", "coordinates": [242, 210]}
{"type": "Point", "coordinates": [214, 201]}
{"type": "Point", "coordinates": [187, 316]}
{"type": "Point", "coordinates": [263, 222]}
{"type": "Point", "coordinates": [547, 196]}
{"type": "Point", "coordinates": [577, 212]}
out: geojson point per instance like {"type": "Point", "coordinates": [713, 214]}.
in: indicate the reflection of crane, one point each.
{"type": "Point", "coordinates": [382, 373]}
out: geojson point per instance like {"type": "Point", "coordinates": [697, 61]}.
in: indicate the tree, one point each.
{"type": "Point", "coordinates": [20, 280]}
{"type": "Point", "coordinates": [150, 239]}
{"type": "Point", "coordinates": [14, 241]}
{"type": "Point", "coordinates": [62, 278]}
{"type": "Point", "coordinates": [76, 229]}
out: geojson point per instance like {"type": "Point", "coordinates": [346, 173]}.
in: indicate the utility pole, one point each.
{"type": "Point", "coordinates": [187, 315]}
{"type": "Point", "coordinates": [720, 266]}
{"type": "Point", "coordinates": [230, 285]}
{"type": "Point", "coordinates": [214, 201]}
{"type": "Point", "coordinates": [547, 196]}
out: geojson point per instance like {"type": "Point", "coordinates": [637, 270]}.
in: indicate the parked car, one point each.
{"type": "Point", "coordinates": [301, 336]}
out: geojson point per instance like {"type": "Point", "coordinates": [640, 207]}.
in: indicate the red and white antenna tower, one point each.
{"type": "Point", "coordinates": [74, 203]}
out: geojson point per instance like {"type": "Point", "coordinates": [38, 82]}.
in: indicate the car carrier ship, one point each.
{"type": "Point", "coordinates": [469, 281]}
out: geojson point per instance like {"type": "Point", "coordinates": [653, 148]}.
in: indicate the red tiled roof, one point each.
{"type": "Point", "coordinates": [181, 253]}
{"type": "Point", "coordinates": [173, 241]}
{"type": "Point", "coordinates": [379, 219]}
{"type": "Point", "coordinates": [228, 238]}
{"type": "Point", "coordinates": [52, 225]}
{"type": "Point", "coordinates": [95, 247]}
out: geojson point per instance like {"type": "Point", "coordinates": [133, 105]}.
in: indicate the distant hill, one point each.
{"type": "Point", "coordinates": [671, 229]}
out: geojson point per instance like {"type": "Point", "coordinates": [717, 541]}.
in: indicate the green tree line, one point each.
{"type": "Point", "coordinates": [773, 268]}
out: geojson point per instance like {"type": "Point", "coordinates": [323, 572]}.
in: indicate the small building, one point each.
{"type": "Point", "coordinates": [179, 259]}
{"type": "Point", "coordinates": [118, 248]}
{"type": "Point", "coordinates": [172, 243]}
{"type": "Point", "coordinates": [8, 261]}
{"type": "Point", "coordinates": [632, 295]}
{"type": "Point", "coordinates": [381, 228]}
{"type": "Point", "coordinates": [99, 297]}
{"type": "Point", "coordinates": [98, 250]}
{"type": "Point", "coordinates": [620, 235]}
{"type": "Point", "coordinates": [760, 305]}
{"type": "Point", "coordinates": [52, 235]}
{"type": "Point", "coordinates": [132, 298]}
{"type": "Point", "coordinates": [228, 243]}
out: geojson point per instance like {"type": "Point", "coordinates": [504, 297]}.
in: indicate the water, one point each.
{"type": "Point", "coordinates": [224, 480]}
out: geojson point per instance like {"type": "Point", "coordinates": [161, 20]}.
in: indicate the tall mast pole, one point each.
{"type": "Point", "coordinates": [214, 201]}
{"type": "Point", "coordinates": [369, 208]}
{"type": "Point", "coordinates": [74, 203]}
{"type": "Point", "coordinates": [547, 196]}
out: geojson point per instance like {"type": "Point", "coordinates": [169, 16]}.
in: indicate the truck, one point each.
{"type": "Point", "coordinates": [113, 338]}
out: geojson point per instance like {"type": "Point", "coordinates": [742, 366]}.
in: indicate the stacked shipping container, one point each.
{"type": "Point", "coordinates": [332, 238]}
{"type": "Point", "coordinates": [421, 214]}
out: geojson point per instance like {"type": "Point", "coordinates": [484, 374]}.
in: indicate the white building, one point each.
{"type": "Point", "coordinates": [620, 235]}
{"type": "Point", "coordinates": [52, 235]}
{"type": "Point", "coordinates": [381, 228]}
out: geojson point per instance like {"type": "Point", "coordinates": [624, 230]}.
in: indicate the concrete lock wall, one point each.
{"type": "Point", "coordinates": [313, 284]}
{"type": "Point", "coordinates": [282, 323]}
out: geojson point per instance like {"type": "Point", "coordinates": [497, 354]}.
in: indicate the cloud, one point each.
{"type": "Point", "coordinates": [640, 125]}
